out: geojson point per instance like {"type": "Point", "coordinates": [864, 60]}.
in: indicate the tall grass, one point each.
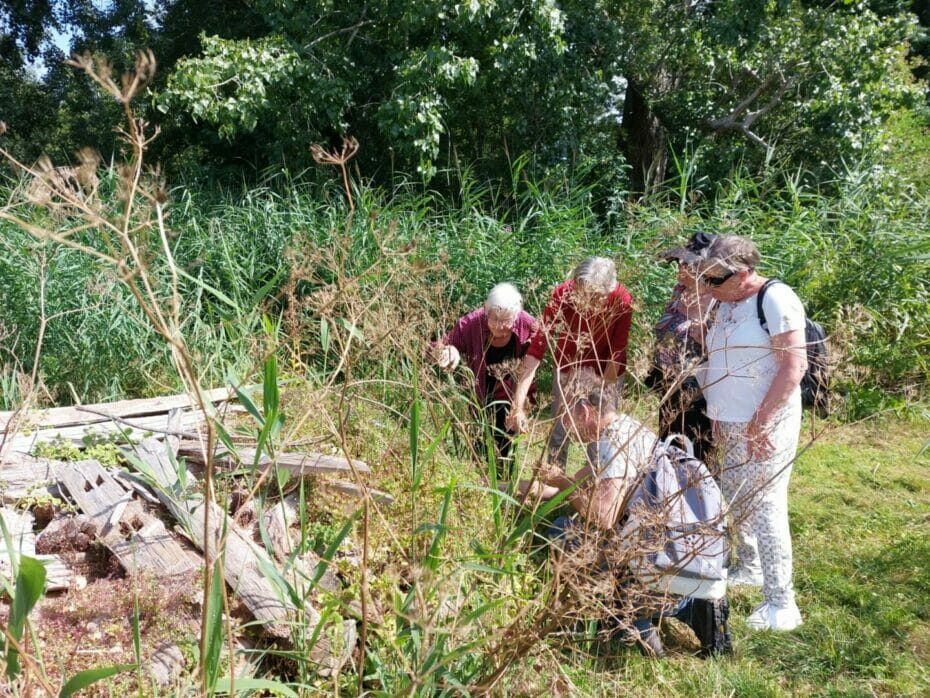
{"type": "Point", "coordinates": [860, 259]}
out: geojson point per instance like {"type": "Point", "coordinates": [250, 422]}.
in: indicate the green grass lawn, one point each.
{"type": "Point", "coordinates": [860, 518]}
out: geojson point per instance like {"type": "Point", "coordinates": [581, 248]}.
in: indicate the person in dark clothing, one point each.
{"type": "Point", "coordinates": [679, 348]}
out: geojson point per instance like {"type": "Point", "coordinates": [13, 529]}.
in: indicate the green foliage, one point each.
{"type": "Point", "coordinates": [106, 452]}
{"type": "Point", "coordinates": [88, 677]}
{"type": "Point", "coordinates": [215, 630]}
{"type": "Point", "coordinates": [855, 249]}
{"type": "Point", "coordinates": [37, 496]}
{"type": "Point", "coordinates": [431, 83]}
{"type": "Point", "coordinates": [229, 85]}
{"type": "Point", "coordinates": [27, 590]}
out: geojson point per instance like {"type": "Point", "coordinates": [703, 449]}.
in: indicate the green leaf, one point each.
{"type": "Point", "coordinates": [85, 678]}
{"type": "Point", "coordinates": [531, 519]}
{"type": "Point", "coordinates": [30, 585]}
{"type": "Point", "coordinates": [250, 407]}
{"type": "Point", "coordinates": [224, 685]}
{"type": "Point", "coordinates": [212, 291]}
{"type": "Point", "coordinates": [327, 556]}
{"type": "Point", "coordinates": [432, 556]}
{"type": "Point", "coordinates": [214, 629]}
{"type": "Point", "coordinates": [353, 330]}
{"type": "Point", "coordinates": [324, 334]}
{"type": "Point", "coordinates": [270, 395]}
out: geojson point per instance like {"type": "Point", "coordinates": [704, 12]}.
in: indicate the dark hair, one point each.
{"type": "Point", "coordinates": [692, 251]}
{"type": "Point", "coordinates": [591, 389]}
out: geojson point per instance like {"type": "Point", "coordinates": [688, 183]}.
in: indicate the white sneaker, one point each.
{"type": "Point", "coordinates": [768, 616]}
{"type": "Point", "coordinates": [742, 577]}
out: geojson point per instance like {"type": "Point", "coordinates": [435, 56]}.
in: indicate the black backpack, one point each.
{"type": "Point", "coordinates": [815, 385]}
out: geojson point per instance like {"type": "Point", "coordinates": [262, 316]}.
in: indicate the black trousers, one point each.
{"type": "Point", "coordinates": [496, 413]}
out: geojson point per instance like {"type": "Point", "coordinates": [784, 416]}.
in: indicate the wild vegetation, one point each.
{"type": "Point", "coordinates": [805, 128]}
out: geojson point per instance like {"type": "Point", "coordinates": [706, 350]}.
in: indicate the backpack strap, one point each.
{"type": "Point", "coordinates": [759, 298]}
{"type": "Point", "coordinates": [684, 443]}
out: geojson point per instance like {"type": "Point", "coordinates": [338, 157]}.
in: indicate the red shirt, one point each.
{"type": "Point", "coordinates": [588, 339]}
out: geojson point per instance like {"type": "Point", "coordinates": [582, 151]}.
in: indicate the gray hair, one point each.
{"type": "Point", "coordinates": [732, 252]}
{"type": "Point", "coordinates": [597, 273]}
{"type": "Point", "coordinates": [504, 298]}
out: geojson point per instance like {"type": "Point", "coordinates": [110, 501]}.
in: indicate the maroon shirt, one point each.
{"type": "Point", "coordinates": [471, 337]}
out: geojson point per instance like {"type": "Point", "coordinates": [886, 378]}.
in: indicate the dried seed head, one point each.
{"type": "Point", "coordinates": [86, 172]}
{"type": "Point", "coordinates": [319, 155]}
{"type": "Point", "coordinates": [145, 65]}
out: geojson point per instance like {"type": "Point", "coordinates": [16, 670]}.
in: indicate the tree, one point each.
{"type": "Point", "coordinates": [750, 81]}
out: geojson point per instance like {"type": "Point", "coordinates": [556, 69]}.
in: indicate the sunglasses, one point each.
{"type": "Point", "coordinates": [717, 281]}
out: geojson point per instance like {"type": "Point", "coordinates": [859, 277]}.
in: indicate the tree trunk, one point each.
{"type": "Point", "coordinates": [643, 141]}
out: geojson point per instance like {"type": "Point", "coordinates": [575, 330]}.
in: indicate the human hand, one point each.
{"type": "Point", "coordinates": [759, 439]}
{"type": "Point", "coordinates": [446, 356]}
{"type": "Point", "coordinates": [534, 489]}
{"type": "Point", "coordinates": [516, 420]}
{"type": "Point", "coordinates": [553, 476]}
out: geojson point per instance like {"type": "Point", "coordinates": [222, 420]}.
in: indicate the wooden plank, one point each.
{"type": "Point", "coordinates": [136, 429]}
{"type": "Point", "coordinates": [152, 549]}
{"type": "Point", "coordinates": [24, 475]}
{"type": "Point", "coordinates": [105, 411]}
{"type": "Point", "coordinates": [139, 540]}
{"type": "Point", "coordinates": [20, 526]}
{"type": "Point", "coordinates": [295, 463]}
{"type": "Point", "coordinates": [243, 560]}
{"type": "Point", "coordinates": [60, 576]}
{"type": "Point", "coordinates": [353, 490]}
{"type": "Point", "coordinates": [93, 491]}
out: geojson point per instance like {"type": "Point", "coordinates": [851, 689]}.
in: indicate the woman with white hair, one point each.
{"type": "Point", "coordinates": [493, 339]}
{"type": "Point", "coordinates": [756, 357]}
{"type": "Point", "coordinates": [588, 320]}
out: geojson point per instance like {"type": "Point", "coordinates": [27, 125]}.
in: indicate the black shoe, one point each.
{"type": "Point", "coordinates": [650, 644]}
{"type": "Point", "coordinates": [708, 620]}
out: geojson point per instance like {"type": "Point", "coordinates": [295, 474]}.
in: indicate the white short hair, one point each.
{"type": "Point", "coordinates": [504, 298]}
{"type": "Point", "coordinates": [597, 273]}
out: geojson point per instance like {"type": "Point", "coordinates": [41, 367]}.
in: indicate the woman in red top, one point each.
{"type": "Point", "coordinates": [589, 318]}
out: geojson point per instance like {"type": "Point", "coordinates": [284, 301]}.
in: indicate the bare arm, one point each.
{"type": "Point", "coordinates": [516, 419]}
{"type": "Point", "coordinates": [791, 359]}
{"type": "Point", "coordinates": [597, 500]}
{"type": "Point", "coordinates": [611, 372]}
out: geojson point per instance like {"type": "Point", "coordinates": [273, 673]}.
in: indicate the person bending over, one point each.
{"type": "Point", "coordinates": [493, 340]}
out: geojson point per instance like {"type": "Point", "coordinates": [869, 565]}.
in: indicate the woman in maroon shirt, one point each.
{"type": "Point", "coordinates": [493, 339]}
{"type": "Point", "coordinates": [589, 318]}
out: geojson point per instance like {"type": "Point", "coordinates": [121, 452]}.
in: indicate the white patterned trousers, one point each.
{"type": "Point", "coordinates": [757, 492]}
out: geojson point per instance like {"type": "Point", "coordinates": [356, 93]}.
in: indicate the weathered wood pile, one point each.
{"type": "Point", "coordinates": [119, 509]}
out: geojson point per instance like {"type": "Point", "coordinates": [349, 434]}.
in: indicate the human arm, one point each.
{"type": "Point", "coordinates": [791, 363]}
{"type": "Point", "coordinates": [446, 356]}
{"type": "Point", "coordinates": [516, 418]}
{"type": "Point", "coordinates": [447, 352]}
{"type": "Point", "coordinates": [597, 500]}
{"type": "Point", "coordinates": [612, 371]}
{"type": "Point", "coordinates": [698, 312]}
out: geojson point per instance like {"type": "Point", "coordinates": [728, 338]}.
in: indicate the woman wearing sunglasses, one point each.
{"type": "Point", "coordinates": [751, 380]}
